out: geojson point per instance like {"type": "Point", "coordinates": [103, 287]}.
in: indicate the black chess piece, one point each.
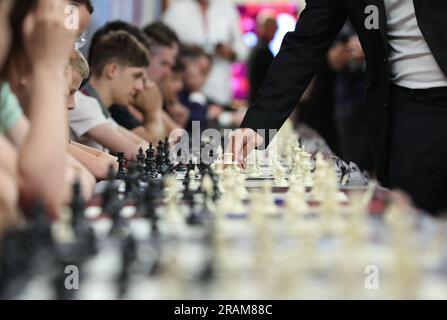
{"type": "Point", "coordinates": [141, 163]}
{"type": "Point", "coordinates": [149, 211]}
{"type": "Point", "coordinates": [208, 271]}
{"type": "Point", "coordinates": [119, 227]}
{"type": "Point", "coordinates": [192, 166]}
{"type": "Point", "coordinates": [180, 167]}
{"type": "Point", "coordinates": [132, 183]}
{"type": "Point", "coordinates": [25, 251]}
{"type": "Point", "coordinates": [162, 165]}
{"type": "Point", "coordinates": [150, 163]}
{"type": "Point", "coordinates": [216, 191]}
{"type": "Point", "coordinates": [111, 192]}
{"type": "Point", "coordinates": [193, 218]}
{"type": "Point", "coordinates": [79, 222]}
{"type": "Point", "coordinates": [168, 161]}
{"type": "Point", "coordinates": [39, 225]}
{"type": "Point", "coordinates": [121, 175]}
{"type": "Point", "coordinates": [188, 195]}
{"type": "Point", "coordinates": [128, 257]}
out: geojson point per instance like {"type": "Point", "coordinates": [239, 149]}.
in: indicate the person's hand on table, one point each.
{"type": "Point", "coordinates": [241, 143]}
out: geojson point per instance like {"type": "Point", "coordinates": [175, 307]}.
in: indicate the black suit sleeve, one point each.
{"type": "Point", "coordinates": [258, 67]}
{"type": "Point", "coordinates": [293, 69]}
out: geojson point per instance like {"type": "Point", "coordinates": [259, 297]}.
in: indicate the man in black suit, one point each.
{"type": "Point", "coordinates": [405, 43]}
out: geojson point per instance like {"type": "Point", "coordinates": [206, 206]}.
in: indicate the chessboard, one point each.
{"type": "Point", "coordinates": [310, 227]}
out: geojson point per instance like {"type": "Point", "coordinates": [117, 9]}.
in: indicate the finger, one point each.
{"type": "Point", "coordinates": [249, 146]}
{"type": "Point", "coordinates": [233, 147]}
{"type": "Point", "coordinates": [28, 24]}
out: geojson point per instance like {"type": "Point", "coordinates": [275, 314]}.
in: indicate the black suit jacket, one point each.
{"type": "Point", "coordinates": [304, 48]}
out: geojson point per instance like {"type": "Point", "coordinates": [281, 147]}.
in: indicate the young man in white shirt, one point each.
{"type": "Point", "coordinates": [118, 66]}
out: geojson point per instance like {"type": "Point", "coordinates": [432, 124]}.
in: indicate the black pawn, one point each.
{"type": "Point", "coordinates": [121, 175]}
{"type": "Point", "coordinates": [132, 183]}
{"type": "Point", "coordinates": [79, 221]}
{"type": "Point", "coordinates": [150, 169]}
{"type": "Point", "coordinates": [140, 162]}
{"type": "Point", "coordinates": [193, 219]}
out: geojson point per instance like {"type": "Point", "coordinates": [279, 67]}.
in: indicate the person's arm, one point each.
{"type": "Point", "coordinates": [150, 103]}
{"type": "Point", "coordinates": [74, 171]}
{"type": "Point", "coordinates": [97, 163]}
{"type": "Point", "coordinates": [8, 181]}
{"type": "Point", "coordinates": [169, 123]}
{"type": "Point", "coordinates": [291, 73]}
{"type": "Point", "coordinates": [179, 113]}
{"type": "Point", "coordinates": [136, 140]}
{"type": "Point", "coordinates": [111, 160]}
{"type": "Point", "coordinates": [112, 139]}
{"type": "Point", "coordinates": [17, 134]}
{"type": "Point", "coordinates": [42, 159]}
{"type": "Point", "coordinates": [258, 67]}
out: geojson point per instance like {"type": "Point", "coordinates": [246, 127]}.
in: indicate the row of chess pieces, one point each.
{"type": "Point", "coordinates": [285, 257]}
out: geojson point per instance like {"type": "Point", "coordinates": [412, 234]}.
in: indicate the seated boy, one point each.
{"type": "Point", "coordinates": [118, 65]}
{"type": "Point", "coordinates": [97, 162]}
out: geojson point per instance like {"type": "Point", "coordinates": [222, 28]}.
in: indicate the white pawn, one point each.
{"type": "Point", "coordinates": [280, 177]}
{"type": "Point", "coordinates": [173, 214]}
{"type": "Point", "coordinates": [192, 180]}
{"type": "Point", "coordinates": [268, 200]}
{"type": "Point", "coordinates": [296, 199]}
{"type": "Point", "coordinates": [306, 167]}
{"type": "Point", "coordinates": [253, 168]}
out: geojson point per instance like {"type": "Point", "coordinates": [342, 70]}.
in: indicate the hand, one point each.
{"type": "Point", "coordinates": [226, 52]}
{"type": "Point", "coordinates": [339, 56]}
{"type": "Point", "coordinates": [47, 42]}
{"type": "Point", "coordinates": [241, 143]}
{"type": "Point", "coordinates": [179, 113]}
{"type": "Point", "coordinates": [238, 117]}
{"type": "Point", "coordinates": [356, 49]}
{"type": "Point", "coordinates": [214, 111]}
{"type": "Point", "coordinates": [149, 100]}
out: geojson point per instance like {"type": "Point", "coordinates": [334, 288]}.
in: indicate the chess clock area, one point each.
{"type": "Point", "coordinates": [296, 225]}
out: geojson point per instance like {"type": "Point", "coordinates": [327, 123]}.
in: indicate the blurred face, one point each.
{"type": "Point", "coordinates": [74, 81]}
{"type": "Point", "coordinates": [85, 18]}
{"type": "Point", "coordinates": [196, 73]}
{"type": "Point", "coordinates": [171, 86]}
{"type": "Point", "coordinates": [203, 2]}
{"type": "Point", "coordinates": [162, 61]}
{"type": "Point", "coordinates": [126, 83]}
{"type": "Point", "coordinates": [5, 31]}
{"type": "Point", "coordinates": [270, 28]}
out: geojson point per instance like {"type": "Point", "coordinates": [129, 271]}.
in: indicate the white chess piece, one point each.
{"type": "Point", "coordinates": [253, 169]}
{"type": "Point", "coordinates": [268, 200]}
{"type": "Point", "coordinates": [172, 213]}
{"type": "Point", "coordinates": [280, 177]}
{"type": "Point", "coordinates": [296, 199]}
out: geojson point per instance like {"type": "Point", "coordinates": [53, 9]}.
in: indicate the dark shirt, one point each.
{"type": "Point", "coordinates": [259, 63]}
{"type": "Point", "coordinates": [124, 118]}
{"type": "Point", "coordinates": [199, 112]}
